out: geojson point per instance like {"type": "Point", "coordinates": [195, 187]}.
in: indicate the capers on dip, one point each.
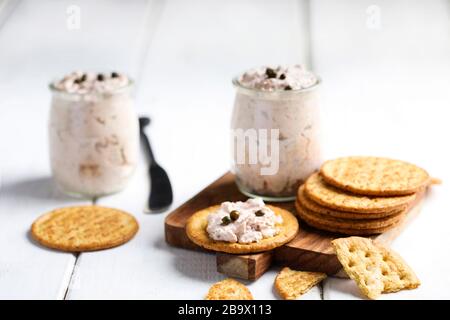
{"type": "Point", "coordinates": [234, 215]}
{"type": "Point", "coordinates": [259, 213]}
{"type": "Point", "coordinates": [226, 220]}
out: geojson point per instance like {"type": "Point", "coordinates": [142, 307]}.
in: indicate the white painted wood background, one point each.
{"type": "Point", "coordinates": [385, 92]}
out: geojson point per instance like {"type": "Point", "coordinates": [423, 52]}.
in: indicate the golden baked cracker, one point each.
{"type": "Point", "coordinates": [228, 289]}
{"type": "Point", "coordinates": [329, 196]}
{"type": "Point", "coordinates": [351, 223]}
{"type": "Point", "coordinates": [315, 207]}
{"type": "Point", "coordinates": [351, 253]}
{"type": "Point", "coordinates": [397, 275]}
{"type": "Point", "coordinates": [291, 284]}
{"type": "Point", "coordinates": [347, 231]}
{"type": "Point", "coordinates": [196, 231]}
{"type": "Point", "coordinates": [84, 228]}
{"type": "Point", "coordinates": [375, 268]}
{"type": "Point", "coordinates": [374, 176]}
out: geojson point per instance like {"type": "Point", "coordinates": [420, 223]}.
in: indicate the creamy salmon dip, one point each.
{"type": "Point", "coordinates": [284, 100]}
{"type": "Point", "coordinates": [93, 133]}
{"type": "Point", "coordinates": [273, 78]}
{"type": "Point", "coordinates": [243, 222]}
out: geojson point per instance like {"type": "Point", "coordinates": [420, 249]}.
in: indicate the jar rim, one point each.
{"type": "Point", "coordinates": [284, 93]}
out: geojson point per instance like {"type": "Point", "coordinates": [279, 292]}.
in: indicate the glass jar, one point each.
{"type": "Point", "coordinates": [275, 140]}
{"type": "Point", "coordinates": [94, 141]}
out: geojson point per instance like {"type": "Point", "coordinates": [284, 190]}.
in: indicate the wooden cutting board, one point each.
{"type": "Point", "coordinates": [310, 250]}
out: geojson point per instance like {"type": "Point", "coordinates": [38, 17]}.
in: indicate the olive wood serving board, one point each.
{"type": "Point", "coordinates": [310, 250]}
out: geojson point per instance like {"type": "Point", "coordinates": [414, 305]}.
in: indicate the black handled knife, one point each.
{"type": "Point", "coordinates": [161, 195]}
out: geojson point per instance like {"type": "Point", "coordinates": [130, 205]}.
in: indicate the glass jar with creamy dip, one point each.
{"type": "Point", "coordinates": [275, 131]}
{"type": "Point", "coordinates": [93, 133]}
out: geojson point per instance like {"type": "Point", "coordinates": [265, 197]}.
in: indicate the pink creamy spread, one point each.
{"type": "Point", "coordinates": [254, 222]}
{"type": "Point", "coordinates": [91, 82]}
{"type": "Point", "coordinates": [274, 78]}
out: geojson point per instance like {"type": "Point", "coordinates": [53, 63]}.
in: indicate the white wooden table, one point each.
{"type": "Point", "coordinates": [385, 92]}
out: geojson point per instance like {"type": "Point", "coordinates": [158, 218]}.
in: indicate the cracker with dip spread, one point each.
{"type": "Point", "coordinates": [242, 227]}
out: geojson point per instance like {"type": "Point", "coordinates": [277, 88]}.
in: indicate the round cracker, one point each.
{"type": "Point", "coordinates": [196, 231]}
{"type": "Point", "coordinates": [346, 231]}
{"type": "Point", "coordinates": [349, 223]}
{"type": "Point", "coordinates": [374, 176]}
{"type": "Point", "coordinates": [331, 197]}
{"type": "Point", "coordinates": [84, 228]}
{"type": "Point", "coordinates": [315, 207]}
{"type": "Point", "coordinates": [229, 289]}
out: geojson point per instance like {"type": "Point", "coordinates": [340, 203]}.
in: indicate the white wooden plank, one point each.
{"type": "Point", "coordinates": [386, 37]}
{"type": "Point", "coordinates": [36, 48]}
{"type": "Point", "coordinates": [109, 38]}
{"type": "Point", "coordinates": [386, 84]}
{"type": "Point", "coordinates": [26, 191]}
{"type": "Point", "coordinates": [197, 48]}
{"type": "Point", "coordinates": [385, 93]}
{"type": "Point", "coordinates": [6, 9]}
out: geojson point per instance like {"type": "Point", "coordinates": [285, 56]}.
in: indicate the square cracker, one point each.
{"type": "Point", "coordinates": [291, 284]}
{"type": "Point", "coordinates": [375, 268]}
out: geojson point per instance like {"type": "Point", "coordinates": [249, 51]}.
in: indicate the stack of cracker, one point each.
{"type": "Point", "coordinates": [360, 195]}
